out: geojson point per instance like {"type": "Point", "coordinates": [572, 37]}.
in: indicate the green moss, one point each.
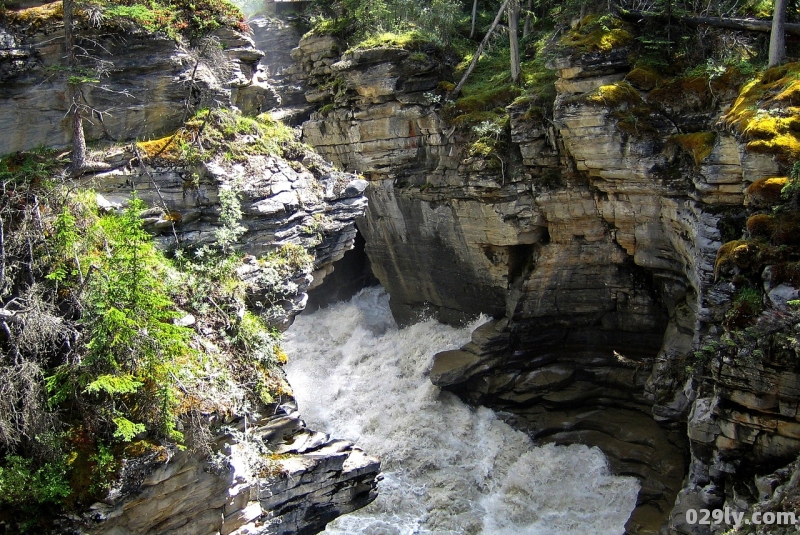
{"type": "Point", "coordinates": [761, 226]}
{"type": "Point", "coordinates": [35, 18]}
{"type": "Point", "coordinates": [325, 26]}
{"type": "Point", "coordinates": [698, 144]}
{"type": "Point", "coordinates": [598, 35]}
{"type": "Point", "coordinates": [626, 105]}
{"type": "Point", "coordinates": [220, 131]}
{"type": "Point", "coordinates": [643, 78]}
{"type": "Point", "coordinates": [615, 96]}
{"type": "Point", "coordinates": [326, 109]}
{"type": "Point", "coordinates": [178, 18]}
{"type": "Point", "coordinates": [734, 253]}
{"type": "Point", "coordinates": [411, 40]}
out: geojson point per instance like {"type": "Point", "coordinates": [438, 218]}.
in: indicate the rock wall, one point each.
{"type": "Point", "coordinates": [153, 84]}
{"type": "Point", "coordinates": [312, 480]}
{"type": "Point", "coordinates": [593, 249]}
{"type": "Point", "coordinates": [146, 83]}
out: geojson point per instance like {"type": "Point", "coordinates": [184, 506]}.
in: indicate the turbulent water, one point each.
{"type": "Point", "coordinates": [449, 469]}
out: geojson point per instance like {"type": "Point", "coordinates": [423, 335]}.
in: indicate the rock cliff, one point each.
{"type": "Point", "coordinates": [593, 244]}
{"type": "Point", "coordinates": [272, 475]}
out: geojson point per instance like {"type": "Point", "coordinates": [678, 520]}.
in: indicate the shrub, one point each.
{"type": "Point", "coordinates": [747, 304]}
{"type": "Point", "coordinates": [23, 483]}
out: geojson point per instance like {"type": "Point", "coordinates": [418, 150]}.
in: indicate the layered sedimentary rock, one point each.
{"type": "Point", "coordinates": [306, 479]}
{"type": "Point", "coordinates": [280, 37]}
{"type": "Point", "coordinates": [143, 89]}
{"type": "Point", "coordinates": [312, 480]}
{"type": "Point", "coordinates": [281, 204]}
{"type": "Point", "coordinates": [594, 250]}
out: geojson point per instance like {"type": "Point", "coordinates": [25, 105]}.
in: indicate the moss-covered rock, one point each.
{"type": "Point", "coordinates": [765, 192]}
{"type": "Point", "coordinates": [598, 34]}
{"type": "Point", "coordinates": [765, 113]}
{"type": "Point", "coordinates": [698, 144]}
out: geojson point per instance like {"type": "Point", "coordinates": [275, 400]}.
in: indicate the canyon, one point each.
{"type": "Point", "coordinates": [590, 239]}
{"type": "Point", "coordinates": [593, 248]}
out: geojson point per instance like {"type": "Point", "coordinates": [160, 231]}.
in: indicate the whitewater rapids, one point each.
{"type": "Point", "coordinates": [448, 469]}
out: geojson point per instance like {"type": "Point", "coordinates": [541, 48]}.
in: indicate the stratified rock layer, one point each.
{"type": "Point", "coordinates": [149, 81]}
{"type": "Point", "coordinates": [313, 480]}
{"type": "Point", "coordinates": [593, 249]}
{"type": "Point", "coordinates": [154, 85]}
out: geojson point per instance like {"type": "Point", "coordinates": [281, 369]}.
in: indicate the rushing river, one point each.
{"type": "Point", "coordinates": [448, 469]}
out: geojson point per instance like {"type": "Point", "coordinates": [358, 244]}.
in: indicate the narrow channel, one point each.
{"type": "Point", "coordinates": [449, 469]}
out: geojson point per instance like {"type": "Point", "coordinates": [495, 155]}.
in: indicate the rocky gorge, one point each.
{"type": "Point", "coordinates": [600, 235]}
{"type": "Point", "coordinates": [592, 240]}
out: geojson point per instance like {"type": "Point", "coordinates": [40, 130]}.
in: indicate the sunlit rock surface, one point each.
{"type": "Point", "coordinates": [593, 249]}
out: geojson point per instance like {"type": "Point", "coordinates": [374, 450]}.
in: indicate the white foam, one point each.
{"type": "Point", "coordinates": [449, 469]}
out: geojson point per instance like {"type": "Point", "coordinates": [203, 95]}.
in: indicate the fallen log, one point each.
{"type": "Point", "coordinates": [749, 25]}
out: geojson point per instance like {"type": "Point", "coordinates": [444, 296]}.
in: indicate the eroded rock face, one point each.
{"type": "Point", "coordinates": [593, 250]}
{"type": "Point", "coordinates": [143, 94]}
{"type": "Point", "coordinates": [314, 480]}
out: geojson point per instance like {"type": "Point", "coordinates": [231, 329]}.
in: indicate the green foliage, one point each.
{"type": "Point", "coordinates": [126, 429]}
{"type": "Point", "coordinates": [28, 168]}
{"type": "Point", "coordinates": [408, 22]}
{"type": "Point", "coordinates": [106, 466]}
{"type": "Point", "coordinates": [747, 304]}
{"type": "Point", "coordinates": [113, 384]}
{"type": "Point", "coordinates": [23, 483]}
{"type": "Point", "coordinates": [791, 190]}
{"type": "Point", "coordinates": [223, 132]}
{"type": "Point", "coordinates": [133, 347]}
{"type": "Point", "coordinates": [177, 18]}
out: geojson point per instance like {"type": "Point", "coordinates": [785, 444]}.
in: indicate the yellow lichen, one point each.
{"type": "Point", "coordinates": [698, 144]}
{"type": "Point", "coordinates": [614, 96]}
{"type": "Point", "coordinates": [765, 114]}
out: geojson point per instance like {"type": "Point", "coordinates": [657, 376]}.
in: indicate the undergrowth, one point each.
{"type": "Point", "coordinates": [220, 131]}
{"type": "Point", "coordinates": [176, 19]}
{"type": "Point", "coordinates": [107, 341]}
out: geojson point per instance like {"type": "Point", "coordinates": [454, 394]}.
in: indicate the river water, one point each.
{"type": "Point", "coordinates": [448, 469]}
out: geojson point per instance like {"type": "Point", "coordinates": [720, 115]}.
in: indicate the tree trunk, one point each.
{"type": "Point", "coordinates": [750, 25]}
{"type": "Point", "coordinates": [777, 37]}
{"type": "Point", "coordinates": [474, 16]}
{"type": "Point", "coordinates": [479, 51]}
{"type": "Point", "coordinates": [69, 38]}
{"type": "Point", "coordinates": [78, 139]}
{"type": "Point", "coordinates": [526, 29]}
{"type": "Point", "coordinates": [73, 93]}
{"type": "Point", "coordinates": [513, 40]}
